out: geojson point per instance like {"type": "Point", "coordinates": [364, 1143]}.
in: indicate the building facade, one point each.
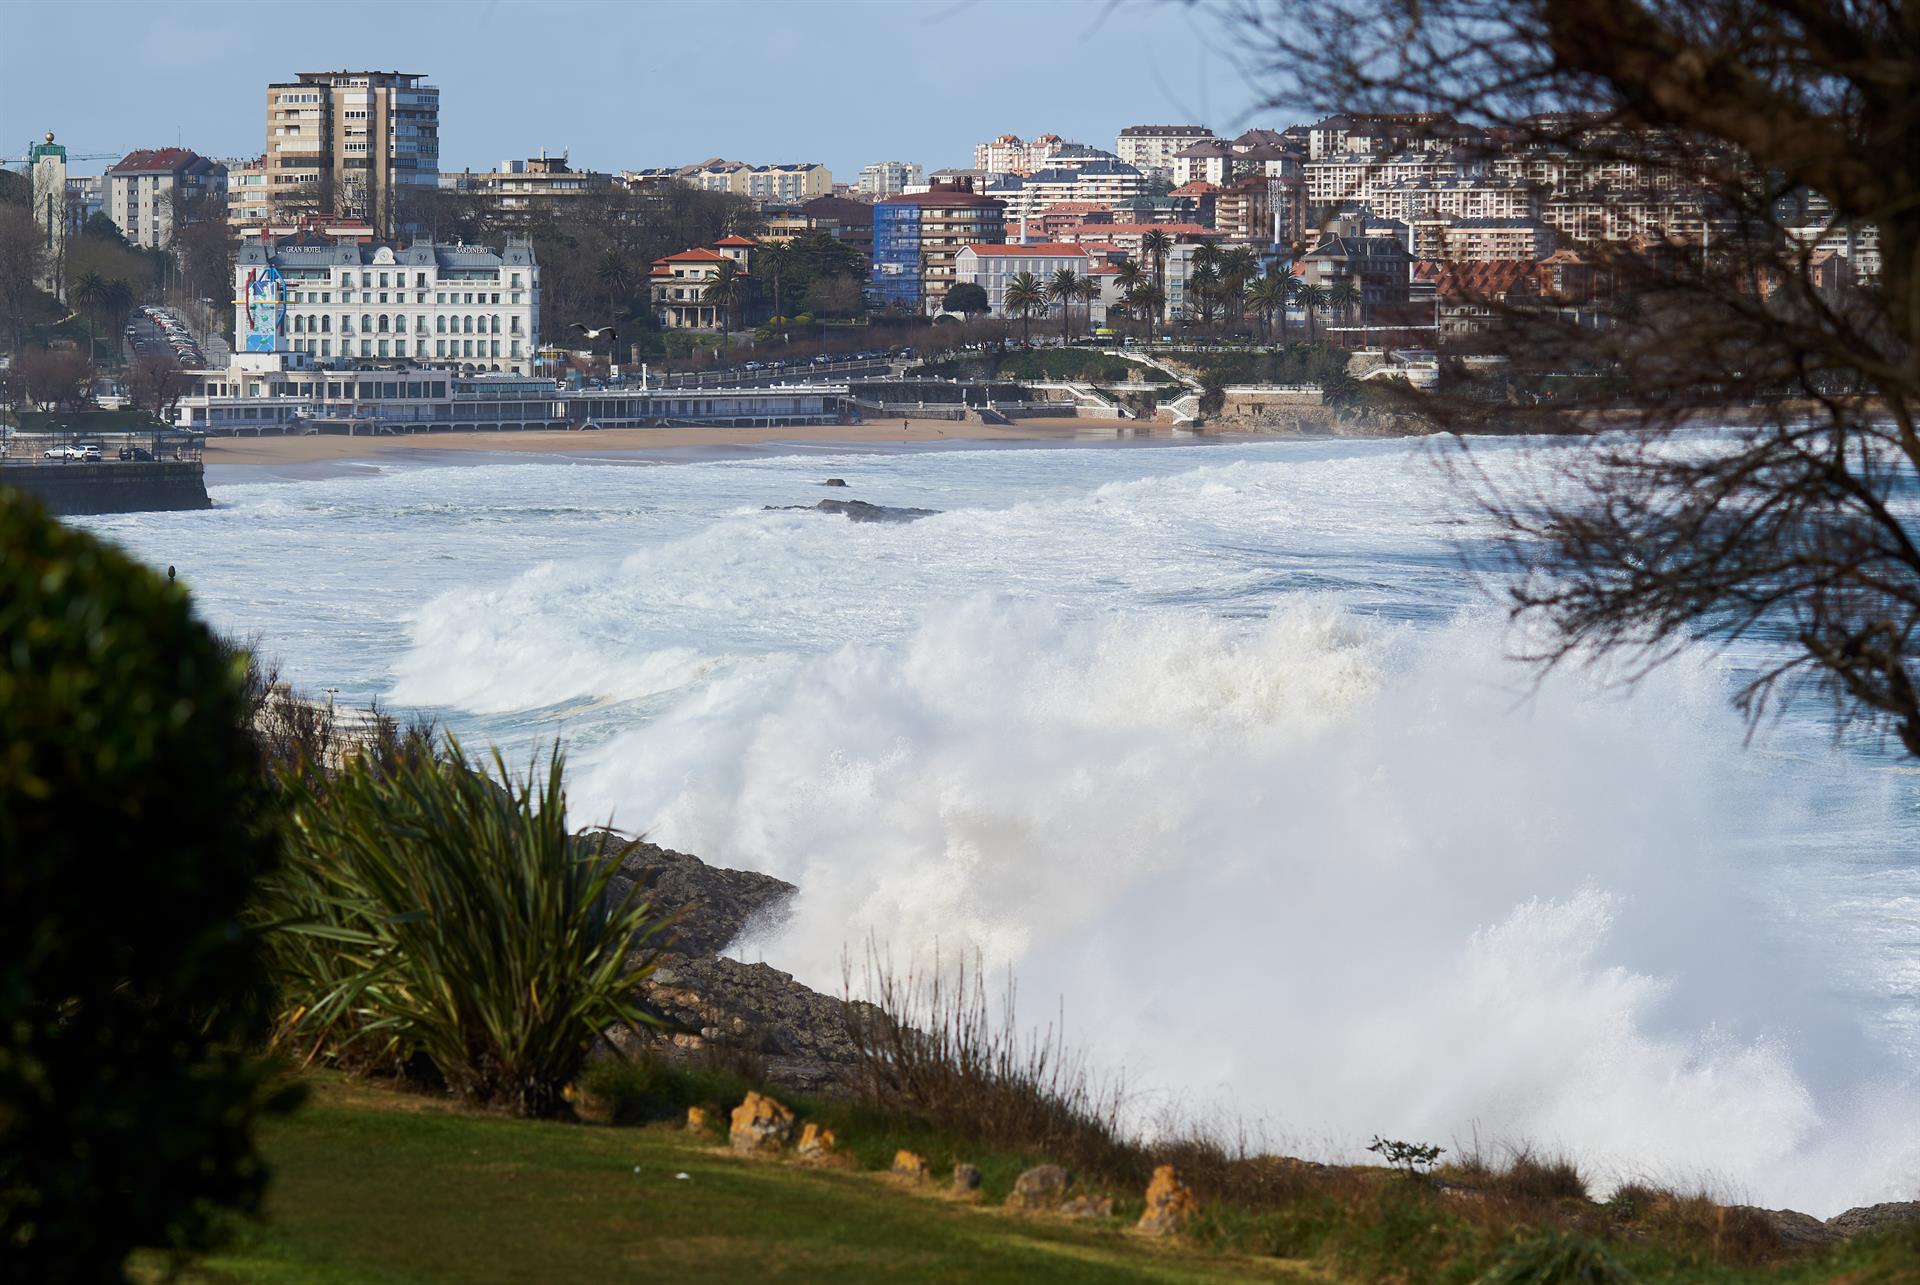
{"type": "Point", "coordinates": [248, 207]}
{"type": "Point", "coordinates": [991, 267]}
{"type": "Point", "coordinates": [444, 306]}
{"type": "Point", "coordinates": [678, 285]}
{"type": "Point", "coordinates": [917, 239]}
{"type": "Point", "coordinates": [1487, 240]}
{"type": "Point", "coordinates": [148, 192]}
{"type": "Point", "coordinates": [47, 174]}
{"type": "Point", "coordinates": [785, 184]}
{"type": "Point", "coordinates": [521, 187]}
{"type": "Point", "coordinates": [882, 179]}
{"type": "Point", "coordinates": [1151, 148]}
{"type": "Point", "coordinates": [351, 143]}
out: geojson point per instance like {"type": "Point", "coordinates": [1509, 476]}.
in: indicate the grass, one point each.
{"type": "Point", "coordinates": [372, 1186]}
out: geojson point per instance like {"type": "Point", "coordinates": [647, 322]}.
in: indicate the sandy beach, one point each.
{"type": "Point", "coordinates": [318, 449]}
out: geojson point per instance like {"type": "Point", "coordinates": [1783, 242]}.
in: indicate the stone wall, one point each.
{"type": "Point", "coordinates": [111, 486]}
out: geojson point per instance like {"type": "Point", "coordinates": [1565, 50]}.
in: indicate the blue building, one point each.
{"type": "Point", "coordinates": [917, 239]}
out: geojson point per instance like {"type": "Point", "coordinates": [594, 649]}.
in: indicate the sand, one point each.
{"type": "Point", "coordinates": [280, 451]}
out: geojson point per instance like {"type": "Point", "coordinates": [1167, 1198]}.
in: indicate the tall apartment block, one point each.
{"type": "Point", "coordinates": [351, 144]}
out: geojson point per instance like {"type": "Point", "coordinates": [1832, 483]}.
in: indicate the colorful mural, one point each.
{"type": "Point", "coordinates": [266, 304]}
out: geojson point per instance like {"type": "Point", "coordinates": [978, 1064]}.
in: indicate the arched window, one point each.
{"type": "Point", "coordinates": [466, 325]}
{"type": "Point", "coordinates": [383, 323]}
{"type": "Point", "coordinates": [366, 323]}
{"type": "Point", "coordinates": [440, 324]}
{"type": "Point", "coordinates": [326, 325]}
{"type": "Point", "coordinates": [496, 323]}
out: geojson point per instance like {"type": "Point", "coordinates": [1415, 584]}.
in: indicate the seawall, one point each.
{"type": "Point", "coordinates": [111, 486]}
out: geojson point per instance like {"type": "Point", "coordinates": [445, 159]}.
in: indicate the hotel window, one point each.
{"type": "Point", "coordinates": [326, 324]}
{"type": "Point", "coordinates": [439, 347]}
{"type": "Point", "coordinates": [366, 347]}
{"type": "Point", "coordinates": [383, 323]}
{"type": "Point", "coordinates": [383, 349]}
{"type": "Point", "coordinates": [514, 326]}
{"type": "Point", "coordinates": [366, 281]}
{"type": "Point", "coordinates": [366, 323]}
{"type": "Point", "coordinates": [440, 324]}
{"type": "Point", "coordinates": [496, 324]}
{"type": "Point", "coordinates": [440, 296]}
{"type": "Point", "coordinates": [496, 348]}
{"type": "Point", "coordinates": [326, 347]}
{"type": "Point", "coordinates": [420, 280]}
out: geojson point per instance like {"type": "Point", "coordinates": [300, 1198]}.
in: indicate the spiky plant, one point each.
{"type": "Point", "coordinates": [431, 907]}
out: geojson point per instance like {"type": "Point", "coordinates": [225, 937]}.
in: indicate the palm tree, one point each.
{"type": "Point", "coordinates": [1128, 280]}
{"type": "Point", "coordinates": [1239, 266]}
{"type": "Point", "coordinates": [615, 277]}
{"type": "Point", "coordinates": [1155, 245]}
{"type": "Point", "coordinates": [727, 287]}
{"type": "Point", "coordinates": [1345, 295]}
{"type": "Point", "coordinates": [775, 260]}
{"type": "Point", "coordinates": [1024, 294]}
{"type": "Point", "coordinates": [1201, 284]}
{"type": "Point", "coordinates": [119, 300]}
{"type": "Point", "coordinates": [1089, 291]}
{"type": "Point", "coordinates": [1311, 298]}
{"type": "Point", "coordinates": [1063, 290]}
{"type": "Point", "coordinates": [1146, 300]}
{"type": "Point", "coordinates": [90, 291]}
{"type": "Point", "coordinates": [1266, 296]}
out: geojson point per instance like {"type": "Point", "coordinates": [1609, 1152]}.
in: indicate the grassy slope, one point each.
{"type": "Point", "coordinates": [372, 1187]}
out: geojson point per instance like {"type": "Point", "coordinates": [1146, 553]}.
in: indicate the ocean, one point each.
{"type": "Point", "coordinates": [1219, 749]}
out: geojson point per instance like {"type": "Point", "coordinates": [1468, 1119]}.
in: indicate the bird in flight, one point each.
{"type": "Point", "coordinates": [595, 334]}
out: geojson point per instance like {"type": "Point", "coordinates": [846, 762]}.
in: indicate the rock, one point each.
{"type": "Point", "coordinates": [1868, 1218]}
{"type": "Point", "coordinates": [696, 1119]}
{"type": "Point", "coordinates": [965, 1178]}
{"type": "Point", "coordinates": [1170, 1204]}
{"type": "Point", "coordinates": [818, 1147]}
{"type": "Point", "coordinates": [1794, 1228]}
{"type": "Point", "coordinates": [908, 1164]}
{"type": "Point", "coordinates": [857, 511]}
{"type": "Point", "coordinates": [1088, 1207]}
{"type": "Point", "coordinates": [835, 481]}
{"type": "Point", "coordinates": [1040, 1188]}
{"type": "Point", "coordinates": [760, 1124]}
{"type": "Point", "coordinates": [713, 906]}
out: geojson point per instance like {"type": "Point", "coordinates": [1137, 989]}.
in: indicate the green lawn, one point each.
{"type": "Point", "coordinates": [375, 1187]}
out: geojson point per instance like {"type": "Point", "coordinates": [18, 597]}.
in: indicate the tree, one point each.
{"type": "Point", "coordinates": [1311, 299]}
{"type": "Point", "coordinates": [728, 288]}
{"type": "Point", "coordinates": [1089, 295]}
{"type": "Point", "coordinates": [1266, 296]}
{"type": "Point", "coordinates": [22, 260]}
{"type": "Point", "coordinates": [1024, 293]}
{"type": "Point", "coordinates": [54, 377]}
{"type": "Point", "coordinates": [89, 290]}
{"type": "Point", "coordinates": [101, 227]}
{"type": "Point", "coordinates": [1346, 295]}
{"type": "Point", "coordinates": [1147, 300]}
{"type": "Point", "coordinates": [156, 383]}
{"type": "Point", "coordinates": [1155, 245]}
{"type": "Point", "coordinates": [1201, 284]}
{"type": "Point", "coordinates": [1063, 290]}
{"type": "Point", "coordinates": [968, 299]}
{"type": "Point", "coordinates": [775, 261]}
{"type": "Point", "coordinates": [127, 1091]}
{"type": "Point", "coordinates": [1759, 114]}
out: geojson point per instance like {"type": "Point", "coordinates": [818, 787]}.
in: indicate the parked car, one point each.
{"type": "Point", "coordinates": [135, 453]}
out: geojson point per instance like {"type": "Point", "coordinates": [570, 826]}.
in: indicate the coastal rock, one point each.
{"type": "Point", "coordinates": [1041, 1187]}
{"type": "Point", "coordinates": [696, 1120]}
{"type": "Point", "coordinates": [713, 906]}
{"type": "Point", "coordinates": [835, 481]}
{"type": "Point", "coordinates": [856, 511]}
{"type": "Point", "coordinates": [966, 1178]}
{"type": "Point", "coordinates": [818, 1147]}
{"type": "Point", "coordinates": [1170, 1204]}
{"type": "Point", "coordinates": [1866, 1218]}
{"type": "Point", "coordinates": [909, 1164]}
{"type": "Point", "coordinates": [760, 1125]}
{"type": "Point", "coordinates": [1087, 1207]}
{"type": "Point", "coordinates": [1795, 1229]}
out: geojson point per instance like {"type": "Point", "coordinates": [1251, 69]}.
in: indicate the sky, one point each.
{"type": "Point", "coordinates": [628, 85]}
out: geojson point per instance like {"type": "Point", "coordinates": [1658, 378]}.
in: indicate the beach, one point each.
{"type": "Point", "coordinates": [320, 449]}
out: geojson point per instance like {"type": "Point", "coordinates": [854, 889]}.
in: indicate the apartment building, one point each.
{"type": "Point", "coordinates": [86, 197]}
{"type": "Point", "coordinates": [1452, 197]}
{"type": "Point", "coordinates": [248, 207]}
{"type": "Point", "coordinates": [889, 178]}
{"type": "Point", "coordinates": [1151, 148]}
{"type": "Point", "coordinates": [1208, 161]}
{"type": "Point", "coordinates": [455, 306]}
{"type": "Point", "coordinates": [523, 187]}
{"type": "Point", "coordinates": [1486, 240]}
{"type": "Point", "coordinates": [785, 184]}
{"type": "Point", "coordinates": [1104, 183]}
{"type": "Point", "coordinates": [150, 190]}
{"type": "Point", "coordinates": [351, 143]}
{"type": "Point", "coordinates": [1009, 154]}
{"type": "Point", "coordinates": [1354, 175]}
{"type": "Point", "coordinates": [918, 236]}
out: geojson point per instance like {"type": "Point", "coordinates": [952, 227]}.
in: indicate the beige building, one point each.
{"type": "Point", "coordinates": [1488, 240]}
{"type": "Point", "coordinates": [149, 191]}
{"type": "Point", "coordinates": [351, 143]}
{"type": "Point", "coordinates": [1457, 198]}
{"type": "Point", "coordinates": [1152, 147]}
{"type": "Point", "coordinates": [519, 187]}
{"type": "Point", "coordinates": [248, 209]}
{"type": "Point", "coordinates": [782, 184]}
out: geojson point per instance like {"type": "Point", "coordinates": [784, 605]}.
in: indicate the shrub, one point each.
{"type": "Point", "coordinates": [436, 910]}
{"type": "Point", "coordinates": [1556, 1259]}
{"type": "Point", "coordinates": [132, 831]}
{"type": "Point", "coordinates": [1534, 1177]}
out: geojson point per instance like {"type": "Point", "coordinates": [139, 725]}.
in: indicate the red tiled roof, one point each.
{"type": "Point", "coordinates": [697, 255]}
{"type": "Point", "coordinates": [1054, 248]}
{"type": "Point", "coordinates": [1492, 278]}
{"type": "Point", "coordinates": [1198, 187]}
{"type": "Point", "coordinates": [162, 159]}
{"type": "Point", "coordinates": [738, 240]}
{"type": "Point", "coordinates": [1140, 229]}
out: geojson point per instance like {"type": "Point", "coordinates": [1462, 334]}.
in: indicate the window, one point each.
{"type": "Point", "coordinates": [440, 324]}
{"type": "Point", "coordinates": [466, 325]}
{"type": "Point", "coordinates": [383, 280]}
{"type": "Point", "coordinates": [496, 348]}
{"type": "Point", "coordinates": [383, 348]}
{"type": "Point", "coordinates": [420, 280]}
{"type": "Point", "coordinates": [440, 296]}
{"type": "Point", "coordinates": [326, 345]}
{"type": "Point", "coordinates": [439, 347]}
{"type": "Point", "coordinates": [366, 281]}
{"type": "Point", "coordinates": [366, 347]}
{"type": "Point", "coordinates": [326, 324]}
{"type": "Point", "coordinates": [496, 323]}
{"type": "Point", "coordinates": [514, 326]}
{"type": "Point", "coordinates": [366, 323]}
{"type": "Point", "coordinates": [383, 323]}
{"type": "Point", "coordinates": [515, 280]}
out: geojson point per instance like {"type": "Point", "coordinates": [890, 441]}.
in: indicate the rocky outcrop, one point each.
{"type": "Point", "coordinates": [1170, 1204]}
{"type": "Point", "coordinates": [857, 511]}
{"type": "Point", "coordinates": [911, 1166]}
{"type": "Point", "coordinates": [966, 1179]}
{"type": "Point", "coordinates": [711, 906]}
{"type": "Point", "coordinates": [696, 1120]}
{"type": "Point", "coordinates": [1042, 1187]}
{"type": "Point", "coordinates": [1869, 1218]}
{"type": "Point", "coordinates": [818, 1147]}
{"type": "Point", "coordinates": [761, 1125]}
{"type": "Point", "coordinates": [1087, 1207]}
{"type": "Point", "coordinates": [1795, 1229]}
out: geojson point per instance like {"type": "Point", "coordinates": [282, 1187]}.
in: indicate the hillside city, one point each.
{"type": "Point", "coordinates": [178, 280]}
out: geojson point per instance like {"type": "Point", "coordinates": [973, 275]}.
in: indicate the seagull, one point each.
{"type": "Point", "coordinates": [595, 334]}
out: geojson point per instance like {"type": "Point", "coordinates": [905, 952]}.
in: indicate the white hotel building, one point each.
{"type": "Point", "coordinates": [453, 306]}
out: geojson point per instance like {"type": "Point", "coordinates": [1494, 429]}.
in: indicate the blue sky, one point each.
{"type": "Point", "coordinates": [842, 82]}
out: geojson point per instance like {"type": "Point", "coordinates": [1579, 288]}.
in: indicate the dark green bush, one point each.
{"type": "Point", "coordinates": [1558, 1259]}
{"type": "Point", "coordinates": [132, 832]}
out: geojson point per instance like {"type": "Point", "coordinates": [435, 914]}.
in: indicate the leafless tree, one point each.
{"type": "Point", "coordinates": [54, 377]}
{"type": "Point", "coordinates": [22, 259]}
{"type": "Point", "coordinates": [1770, 125]}
{"type": "Point", "coordinates": [156, 383]}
